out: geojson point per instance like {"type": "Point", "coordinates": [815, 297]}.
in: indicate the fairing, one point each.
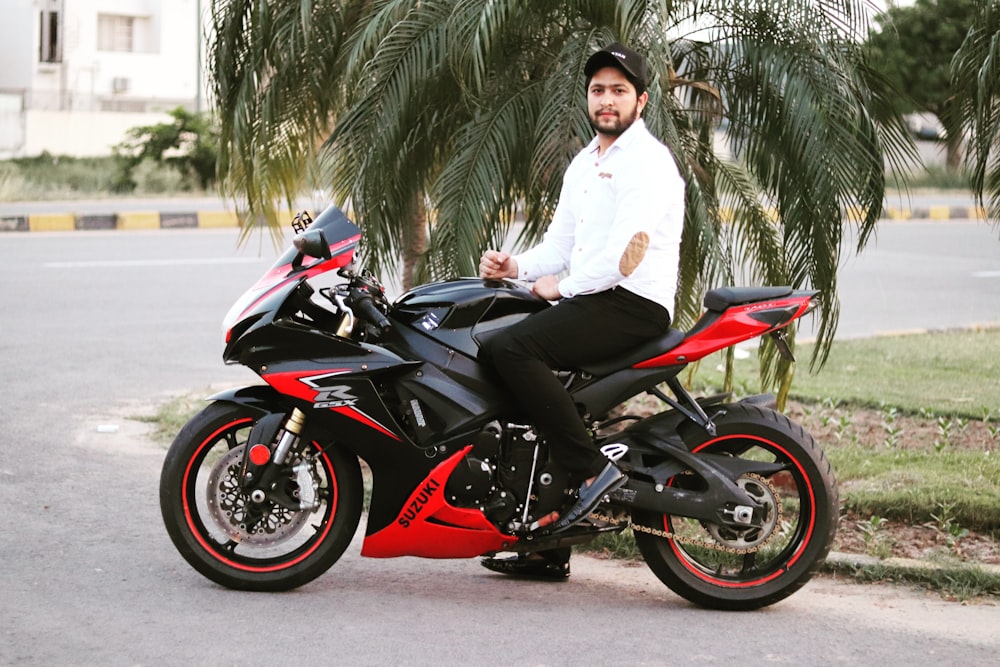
{"type": "Point", "coordinates": [717, 330]}
{"type": "Point", "coordinates": [343, 237]}
{"type": "Point", "coordinates": [461, 313]}
{"type": "Point", "coordinates": [430, 527]}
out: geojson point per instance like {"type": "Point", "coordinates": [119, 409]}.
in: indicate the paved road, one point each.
{"type": "Point", "coordinates": [922, 275]}
{"type": "Point", "coordinates": [97, 327]}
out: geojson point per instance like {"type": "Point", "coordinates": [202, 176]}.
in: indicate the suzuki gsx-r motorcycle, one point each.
{"type": "Point", "coordinates": [732, 505]}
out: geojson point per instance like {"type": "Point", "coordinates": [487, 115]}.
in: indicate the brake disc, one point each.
{"type": "Point", "coordinates": [258, 524]}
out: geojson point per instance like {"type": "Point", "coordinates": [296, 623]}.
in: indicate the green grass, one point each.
{"type": "Point", "coordinates": [171, 416]}
{"type": "Point", "coordinates": [52, 176]}
{"type": "Point", "coordinates": [46, 177]}
{"type": "Point", "coordinates": [961, 582]}
{"type": "Point", "coordinates": [936, 177]}
{"type": "Point", "coordinates": [912, 485]}
{"type": "Point", "coordinates": [909, 422]}
{"type": "Point", "coordinates": [954, 373]}
{"type": "Point", "coordinates": [911, 425]}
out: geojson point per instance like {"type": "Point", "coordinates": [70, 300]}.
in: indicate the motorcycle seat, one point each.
{"type": "Point", "coordinates": [653, 348]}
{"type": "Point", "coordinates": [723, 297]}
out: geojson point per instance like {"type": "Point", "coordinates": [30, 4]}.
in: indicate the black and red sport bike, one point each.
{"type": "Point", "coordinates": [732, 505]}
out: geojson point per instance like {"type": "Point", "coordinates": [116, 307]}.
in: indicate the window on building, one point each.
{"type": "Point", "coordinates": [50, 44]}
{"type": "Point", "coordinates": [115, 33]}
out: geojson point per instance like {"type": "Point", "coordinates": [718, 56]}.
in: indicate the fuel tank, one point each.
{"type": "Point", "coordinates": [462, 313]}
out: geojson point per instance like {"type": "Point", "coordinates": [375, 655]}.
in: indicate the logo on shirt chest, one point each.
{"type": "Point", "coordinates": [604, 174]}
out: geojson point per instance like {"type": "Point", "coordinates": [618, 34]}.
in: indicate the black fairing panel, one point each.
{"type": "Point", "coordinates": [260, 397]}
{"type": "Point", "coordinates": [455, 392]}
{"type": "Point", "coordinates": [304, 345]}
{"type": "Point", "coordinates": [600, 395]}
{"type": "Point", "coordinates": [462, 313]}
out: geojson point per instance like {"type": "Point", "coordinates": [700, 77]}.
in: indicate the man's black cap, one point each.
{"type": "Point", "coordinates": [622, 57]}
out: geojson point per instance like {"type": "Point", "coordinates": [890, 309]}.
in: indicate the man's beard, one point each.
{"type": "Point", "coordinates": [614, 127]}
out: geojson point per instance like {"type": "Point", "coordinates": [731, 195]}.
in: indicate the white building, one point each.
{"type": "Point", "coordinates": [76, 74]}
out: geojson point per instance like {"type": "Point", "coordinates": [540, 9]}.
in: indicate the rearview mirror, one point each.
{"type": "Point", "coordinates": [310, 243]}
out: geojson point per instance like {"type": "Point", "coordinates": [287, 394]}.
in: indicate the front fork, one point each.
{"type": "Point", "coordinates": [264, 475]}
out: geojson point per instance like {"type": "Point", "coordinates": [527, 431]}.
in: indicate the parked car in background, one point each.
{"type": "Point", "coordinates": [925, 126]}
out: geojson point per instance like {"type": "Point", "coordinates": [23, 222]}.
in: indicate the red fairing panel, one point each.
{"type": "Point", "coordinates": [428, 527]}
{"type": "Point", "coordinates": [734, 325]}
{"type": "Point", "coordinates": [342, 253]}
{"type": "Point", "coordinates": [297, 384]}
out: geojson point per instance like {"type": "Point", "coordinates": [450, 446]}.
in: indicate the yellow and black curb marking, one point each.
{"type": "Point", "coordinates": [132, 220]}
{"type": "Point", "coordinates": [855, 214]}
{"type": "Point", "coordinates": [126, 220]}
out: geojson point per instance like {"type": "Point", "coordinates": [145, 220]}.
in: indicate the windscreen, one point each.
{"type": "Point", "coordinates": [341, 234]}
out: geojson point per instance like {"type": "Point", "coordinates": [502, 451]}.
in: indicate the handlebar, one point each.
{"type": "Point", "coordinates": [363, 294]}
{"type": "Point", "coordinates": [365, 304]}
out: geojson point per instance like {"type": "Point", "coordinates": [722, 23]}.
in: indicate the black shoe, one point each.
{"type": "Point", "coordinates": [591, 496]}
{"type": "Point", "coordinates": [532, 566]}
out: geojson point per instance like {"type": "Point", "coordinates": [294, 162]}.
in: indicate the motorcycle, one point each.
{"type": "Point", "coordinates": [731, 505]}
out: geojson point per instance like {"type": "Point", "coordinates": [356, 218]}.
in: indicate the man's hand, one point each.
{"type": "Point", "coordinates": [495, 265]}
{"type": "Point", "coordinates": [547, 287]}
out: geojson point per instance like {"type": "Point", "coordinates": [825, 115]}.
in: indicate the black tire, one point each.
{"type": "Point", "coordinates": [773, 563]}
{"type": "Point", "coordinates": [203, 507]}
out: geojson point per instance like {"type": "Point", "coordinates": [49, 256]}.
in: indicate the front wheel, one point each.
{"type": "Point", "coordinates": [242, 544]}
{"type": "Point", "coordinates": [739, 569]}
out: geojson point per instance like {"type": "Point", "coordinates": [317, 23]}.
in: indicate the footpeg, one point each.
{"type": "Point", "coordinates": [614, 451]}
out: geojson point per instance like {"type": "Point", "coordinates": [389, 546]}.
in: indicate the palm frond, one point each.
{"type": "Point", "coordinates": [976, 80]}
{"type": "Point", "coordinates": [476, 189]}
{"type": "Point", "coordinates": [466, 111]}
{"type": "Point", "coordinates": [276, 88]}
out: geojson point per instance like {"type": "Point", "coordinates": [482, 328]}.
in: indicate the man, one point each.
{"type": "Point", "coordinates": [617, 229]}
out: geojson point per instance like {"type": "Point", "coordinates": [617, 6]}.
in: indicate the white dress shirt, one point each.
{"type": "Point", "coordinates": [618, 222]}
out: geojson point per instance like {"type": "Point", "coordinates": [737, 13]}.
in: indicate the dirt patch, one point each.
{"type": "Point", "coordinates": [887, 428]}
{"type": "Point", "coordinates": [926, 542]}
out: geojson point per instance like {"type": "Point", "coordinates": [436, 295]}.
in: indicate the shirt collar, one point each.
{"type": "Point", "coordinates": [622, 142]}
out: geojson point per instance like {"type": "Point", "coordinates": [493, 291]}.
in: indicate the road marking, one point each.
{"type": "Point", "coordinates": [133, 263]}
{"type": "Point", "coordinates": [986, 274]}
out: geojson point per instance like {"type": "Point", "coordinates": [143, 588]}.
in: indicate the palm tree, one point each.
{"type": "Point", "coordinates": [466, 112]}
{"type": "Point", "coordinates": [976, 80]}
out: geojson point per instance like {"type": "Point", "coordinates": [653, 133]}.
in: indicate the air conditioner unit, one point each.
{"type": "Point", "coordinates": [119, 84]}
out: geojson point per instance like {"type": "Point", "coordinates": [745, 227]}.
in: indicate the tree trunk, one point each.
{"type": "Point", "coordinates": [953, 151]}
{"type": "Point", "coordinates": [951, 121]}
{"type": "Point", "coordinates": [414, 243]}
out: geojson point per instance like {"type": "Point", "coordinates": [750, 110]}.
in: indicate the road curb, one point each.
{"type": "Point", "coordinates": [124, 220]}
{"type": "Point", "coordinates": [216, 219]}
{"type": "Point", "coordinates": [981, 577]}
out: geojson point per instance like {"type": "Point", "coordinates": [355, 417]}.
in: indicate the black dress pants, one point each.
{"type": "Point", "coordinates": [572, 333]}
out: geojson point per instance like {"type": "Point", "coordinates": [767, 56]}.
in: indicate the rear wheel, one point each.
{"type": "Point", "coordinates": [725, 568]}
{"type": "Point", "coordinates": [249, 545]}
